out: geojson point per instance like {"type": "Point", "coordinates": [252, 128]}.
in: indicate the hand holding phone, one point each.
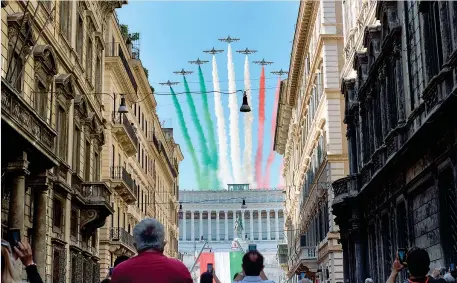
{"type": "Point", "coordinates": [401, 253]}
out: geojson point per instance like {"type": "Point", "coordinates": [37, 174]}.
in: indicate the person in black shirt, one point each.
{"type": "Point", "coordinates": [418, 264]}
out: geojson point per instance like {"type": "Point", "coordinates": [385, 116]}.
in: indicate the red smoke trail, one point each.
{"type": "Point", "coordinates": [260, 130]}
{"type": "Point", "coordinates": [271, 156]}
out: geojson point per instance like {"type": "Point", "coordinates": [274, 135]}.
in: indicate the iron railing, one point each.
{"type": "Point", "coordinates": [120, 118]}
{"type": "Point", "coordinates": [117, 234]}
{"type": "Point", "coordinates": [120, 173]}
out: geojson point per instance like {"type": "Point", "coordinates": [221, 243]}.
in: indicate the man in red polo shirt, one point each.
{"type": "Point", "coordinates": [150, 265]}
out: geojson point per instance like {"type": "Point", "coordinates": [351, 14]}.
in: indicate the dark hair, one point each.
{"type": "Point", "coordinates": [250, 267]}
{"type": "Point", "coordinates": [106, 280]}
{"type": "Point", "coordinates": [120, 259]}
{"type": "Point", "coordinates": [206, 277]}
{"type": "Point", "coordinates": [418, 262]}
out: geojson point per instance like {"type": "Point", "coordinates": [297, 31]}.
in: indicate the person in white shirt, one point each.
{"type": "Point", "coordinates": [252, 269]}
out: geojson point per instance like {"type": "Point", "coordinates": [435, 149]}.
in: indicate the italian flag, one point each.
{"type": "Point", "coordinates": [226, 264]}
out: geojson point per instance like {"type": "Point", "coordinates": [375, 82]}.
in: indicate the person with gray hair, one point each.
{"type": "Point", "coordinates": [151, 265]}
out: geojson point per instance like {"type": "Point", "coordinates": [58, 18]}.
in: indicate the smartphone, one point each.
{"type": "Point", "coordinates": [402, 255]}
{"type": "Point", "coordinates": [111, 271]}
{"type": "Point", "coordinates": [14, 237]}
{"type": "Point", "coordinates": [210, 267]}
{"type": "Point", "coordinates": [252, 247]}
{"type": "Point", "coordinates": [452, 267]}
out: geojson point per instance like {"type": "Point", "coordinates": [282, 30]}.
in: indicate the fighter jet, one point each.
{"type": "Point", "coordinates": [198, 62]}
{"type": "Point", "coordinates": [263, 62]}
{"type": "Point", "coordinates": [280, 72]}
{"type": "Point", "coordinates": [213, 51]}
{"type": "Point", "coordinates": [168, 83]}
{"type": "Point", "coordinates": [246, 51]}
{"type": "Point", "coordinates": [182, 72]}
{"type": "Point", "coordinates": [229, 39]}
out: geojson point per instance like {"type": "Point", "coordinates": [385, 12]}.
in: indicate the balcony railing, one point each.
{"type": "Point", "coordinates": [121, 119]}
{"type": "Point", "coordinates": [308, 253]}
{"type": "Point", "coordinates": [344, 187]}
{"type": "Point", "coordinates": [123, 237]}
{"type": "Point", "coordinates": [120, 173]}
{"type": "Point", "coordinates": [96, 193]}
{"type": "Point", "coordinates": [114, 49]}
{"type": "Point", "coordinates": [16, 110]}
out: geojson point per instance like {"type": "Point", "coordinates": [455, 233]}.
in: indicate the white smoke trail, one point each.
{"type": "Point", "coordinates": [234, 130]}
{"type": "Point", "coordinates": [248, 120]}
{"type": "Point", "coordinates": [224, 170]}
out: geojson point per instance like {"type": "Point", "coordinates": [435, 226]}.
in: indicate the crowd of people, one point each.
{"type": "Point", "coordinates": [152, 266]}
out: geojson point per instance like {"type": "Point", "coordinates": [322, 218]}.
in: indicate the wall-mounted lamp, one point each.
{"type": "Point", "coordinates": [243, 204]}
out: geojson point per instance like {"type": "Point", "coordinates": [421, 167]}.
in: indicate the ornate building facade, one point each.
{"type": "Point", "coordinates": [51, 184]}
{"type": "Point", "coordinates": [309, 135]}
{"type": "Point", "coordinates": [140, 158]}
{"type": "Point", "coordinates": [400, 92]}
{"type": "Point", "coordinates": [59, 185]}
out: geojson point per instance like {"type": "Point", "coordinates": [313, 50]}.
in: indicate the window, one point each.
{"type": "Point", "coordinates": [57, 214]}
{"type": "Point", "coordinates": [41, 100]}
{"type": "Point", "coordinates": [74, 223]}
{"type": "Point", "coordinates": [89, 59]}
{"type": "Point", "coordinates": [65, 19]}
{"type": "Point", "coordinates": [76, 149]}
{"type": "Point", "coordinates": [87, 162]}
{"type": "Point", "coordinates": [57, 264]}
{"type": "Point", "coordinates": [98, 76]}
{"type": "Point", "coordinates": [16, 71]}
{"type": "Point", "coordinates": [113, 155]}
{"type": "Point", "coordinates": [96, 167]}
{"type": "Point", "coordinates": [80, 37]}
{"type": "Point", "coordinates": [432, 43]}
{"type": "Point", "coordinates": [94, 239]}
{"type": "Point", "coordinates": [61, 133]}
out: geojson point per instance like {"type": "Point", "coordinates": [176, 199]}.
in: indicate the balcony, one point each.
{"type": "Point", "coordinates": [23, 121]}
{"type": "Point", "coordinates": [305, 261]}
{"type": "Point", "coordinates": [160, 148]}
{"type": "Point", "coordinates": [121, 242]}
{"type": "Point", "coordinates": [122, 182]}
{"type": "Point", "coordinates": [116, 57]}
{"type": "Point", "coordinates": [96, 196]}
{"type": "Point", "coordinates": [344, 188]}
{"type": "Point", "coordinates": [125, 133]}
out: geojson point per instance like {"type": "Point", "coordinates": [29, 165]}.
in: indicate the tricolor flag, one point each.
{"type": "Point", "coordinates": [226, 264]}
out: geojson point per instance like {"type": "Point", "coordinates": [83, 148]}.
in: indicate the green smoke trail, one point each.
{"type": "Point", "coordinates": [188, 141]}
{"type": "Point", "coordinates": [209, 128]}
{"type": "Point", "coordinates": [206, 159]}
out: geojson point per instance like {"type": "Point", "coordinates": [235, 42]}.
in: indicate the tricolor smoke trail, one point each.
{"type": "Point", "coordinates": [271, 156]}
{"type": "Point", "coordinates": [209, 128]}
{"type": "Point", "coordinates": [248, 120]}
{"type": "Point", "coordinates": [206, 159]}
{"type": "Point", "coordinates": [187, 140]}
{"type": "Point", "coordinates": [234, 130]}
{"type": "Point", "coordinates": [224, 170]}
{"type": "Point", "coordinates": [260, 130]}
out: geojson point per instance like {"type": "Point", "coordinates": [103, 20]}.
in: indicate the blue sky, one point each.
{"type": "Point", "coordinates": [173, 33]}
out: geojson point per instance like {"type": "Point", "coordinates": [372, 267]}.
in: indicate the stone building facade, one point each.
{"type": "Point", "coordinates": [140, 158]}
{"type": "Point", "coordinates": [400, 93]}
{"type": "Point", "coordinates": [56, 134]}
{"type": "Point", "coordinates": [309, 134]}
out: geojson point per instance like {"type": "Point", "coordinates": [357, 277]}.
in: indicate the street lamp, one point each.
{"type": "Point", "coordinates": [245, 106]}
{"type": "Point", "coordinates": [122, 107]}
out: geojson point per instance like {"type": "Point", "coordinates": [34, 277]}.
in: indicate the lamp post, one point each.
{"type": "Point", "coordinates": [245, 106]}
